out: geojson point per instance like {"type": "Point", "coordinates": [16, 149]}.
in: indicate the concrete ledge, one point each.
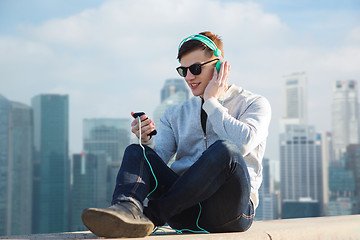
{"type": "Point", "coordinates": [341, 227]}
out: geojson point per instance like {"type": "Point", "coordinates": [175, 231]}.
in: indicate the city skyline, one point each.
{"type": "Point", "coordinates": [90, 51]}
{"type": "Point", "coordinates": [275, 162]}
{"type": "Point", "coordinates": [302, 185]}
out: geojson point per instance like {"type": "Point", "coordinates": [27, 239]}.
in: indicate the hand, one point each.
{"type": "Point", "coordinates": [147, 126]}
{"type": "Point", "coordinates": [218, 84]}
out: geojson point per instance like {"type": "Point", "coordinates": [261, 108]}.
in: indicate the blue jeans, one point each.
{"type": "Point", "coordinates": [219, 180]}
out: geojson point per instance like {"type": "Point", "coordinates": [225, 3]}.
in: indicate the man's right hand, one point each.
{"type": "Point", "coordinates": [147, 126]}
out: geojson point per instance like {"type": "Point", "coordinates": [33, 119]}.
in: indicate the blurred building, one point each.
{"type": "Point", "coordinates": [174, 92]}
{"type": "Point", "coordinates": [302, 208]}
{"type": "Point", "coordinates": [345, 116]}
{"type": "Point", "coordinates": [300, 168]}
{"type": "Point", "coordinates": [295, 99]}
{"type": "Point", "coordinates": [16, 152]}
{"type": "Point", "coordinates": [352, 163]}
{"type": "Point", "coordinates": [342, 190]}
{"type": "Point", "coordinates": [51, 163]}
{"type": "Point", "coordinates": [88, 188]}
{"type": "Point", "coordinates": [109, 136]}
{"type": "Point", "coordinates": [106, 135]}
{"type": "Point", "coordinates": [301, 162]}
{"type": "Point", "coordinates": [172, 86]}
{"type": "Point", "coordinates": [327, 157]}
{"type": "Point", "coordinates": [267, 209]}
{"type": "Point", "coordinates": [342, 206]}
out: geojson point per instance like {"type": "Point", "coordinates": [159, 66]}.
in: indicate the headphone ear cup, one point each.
{"type": "Point", "coordinates": [218, 64]}
{"type": "Point", "coordinates": [217, 52]}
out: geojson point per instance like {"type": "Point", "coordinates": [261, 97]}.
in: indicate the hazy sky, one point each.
{"type": "Point", "coordinates": [112, 57]}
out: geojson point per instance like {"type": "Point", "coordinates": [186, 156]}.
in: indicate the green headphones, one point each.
{"type": "Point", "coordinates": [209, 43]}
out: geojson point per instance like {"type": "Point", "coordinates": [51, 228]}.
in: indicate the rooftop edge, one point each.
{"type": "Point", "coordinates": [339, 227]}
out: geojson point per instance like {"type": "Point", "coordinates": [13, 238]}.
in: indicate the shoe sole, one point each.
{"type": "Point", "coordinates": [107, 224]}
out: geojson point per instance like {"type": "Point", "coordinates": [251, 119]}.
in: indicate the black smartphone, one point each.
{"type": "Point", "coordinates": [138, 114]}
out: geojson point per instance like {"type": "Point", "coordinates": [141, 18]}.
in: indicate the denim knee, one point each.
{"type": "Point", "coordinates": [133, 148]}
{"type": "Point", "coordinates": [224, 148]}
{"type": "Point", "coordinates": [133, 151]}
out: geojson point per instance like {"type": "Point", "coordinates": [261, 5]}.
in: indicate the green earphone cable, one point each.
{"type": "Point", "coordinates": [184, 230]}
{"type": "Point", "coordinates": [156, 185]}
{"type": "Point", "coordinates": [156, 182]}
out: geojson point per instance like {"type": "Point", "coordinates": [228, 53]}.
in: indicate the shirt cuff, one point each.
{"type": "Point", "coordinates": [211, 105]}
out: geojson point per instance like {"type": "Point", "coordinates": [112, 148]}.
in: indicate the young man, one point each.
{"type": "Point", "coordinates": [218, 137]}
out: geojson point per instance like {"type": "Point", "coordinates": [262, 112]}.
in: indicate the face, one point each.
{"type": "Point", "coordinates": [198, 83]}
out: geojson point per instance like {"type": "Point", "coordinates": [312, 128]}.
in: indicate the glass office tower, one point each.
{"type": "Point", "coordinates": [300, 170]}
{"type": "Point", "coordinates": [173, 92]}
{"type": "Point", "coordinates": [106, 135]}
{"type": "Point", "coordinates": [173, 86]}
{"type": "Point", "coordinates": [89, 186]}
{"type": "Point", "coordinates": [267, 209]}
{"type": "Point", "coordinates": [295, 98]}
{"type": "Point", "coordinates": [345, 116]}
{"type": "Point", "coordinates": [51, 163]}
{"type": "Point", "coordinates": [342, 189]}
{"type": "Point", "coordinates": [15, 167]}
{"type": "Point", "coordinates": [109, 136]}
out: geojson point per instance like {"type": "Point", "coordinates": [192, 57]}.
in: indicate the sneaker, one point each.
{"type": "Point", "coordinates": [123, 219]}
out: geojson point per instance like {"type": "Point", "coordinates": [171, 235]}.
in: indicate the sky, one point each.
{"type": "Point", "coordinates": [113, 56]}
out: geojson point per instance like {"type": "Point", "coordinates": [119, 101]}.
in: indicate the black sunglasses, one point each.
{"type": "Point", "coordinates": [194, 69]}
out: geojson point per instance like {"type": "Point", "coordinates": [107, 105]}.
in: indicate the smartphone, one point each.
{"type": "Point", "coordinates": [138, 114]}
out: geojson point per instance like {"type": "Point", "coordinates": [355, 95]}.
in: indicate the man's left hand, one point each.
{"type": "Point", "coordinates": [218, 84]}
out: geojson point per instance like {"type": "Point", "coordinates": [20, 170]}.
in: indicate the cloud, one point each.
{"type": "Point", "coordinates": [354, 36]}
{"type": "Point", "coordinates": [115, 58]}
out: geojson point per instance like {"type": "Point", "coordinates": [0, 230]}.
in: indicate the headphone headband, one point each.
{"type": "Point", "coordinates": [204, 39]}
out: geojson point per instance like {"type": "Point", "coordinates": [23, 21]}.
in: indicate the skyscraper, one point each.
{"type": "Point", "coordinates": [109, 136]}
{"type": "Point", "coordinates": [172, 86]}
{"type": "Point", "coordinates": [174, 92]}
{"type": "Point", "coordinates": [5, 109]}
{"type": "Point", "coordinates": [267, 209]}
{"type": "Point", "coordinates": [89, 186]}
{"type": "Point", "coordinates": [342, 190]}
{"type": "Point", "coordinates": [327, 158]}
{"type": "Point", "coordinates": [345, 116]}
{"type": "Point", "coordinates": [51, 166]}
{"type": "Point", "coordinates": [295, 99]}
{"type": "Point", "coordinates": [300, 165]}
{"type": "Point", "coordinates": [352, 163]}
{"type": "Point", "coordinates": [16, 141]}
{"type": "Point", "coordinates": [300, 153]}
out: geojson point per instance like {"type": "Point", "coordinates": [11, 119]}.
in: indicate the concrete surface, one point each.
{"type": "Point", "coordinates": [324, 228]}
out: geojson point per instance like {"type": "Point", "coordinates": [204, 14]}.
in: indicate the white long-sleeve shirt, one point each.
{"type": "Point", "coordinates": [243, 119]}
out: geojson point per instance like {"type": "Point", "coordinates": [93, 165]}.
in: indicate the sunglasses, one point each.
{"type": "Point", "coordinates": [194, 69]}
